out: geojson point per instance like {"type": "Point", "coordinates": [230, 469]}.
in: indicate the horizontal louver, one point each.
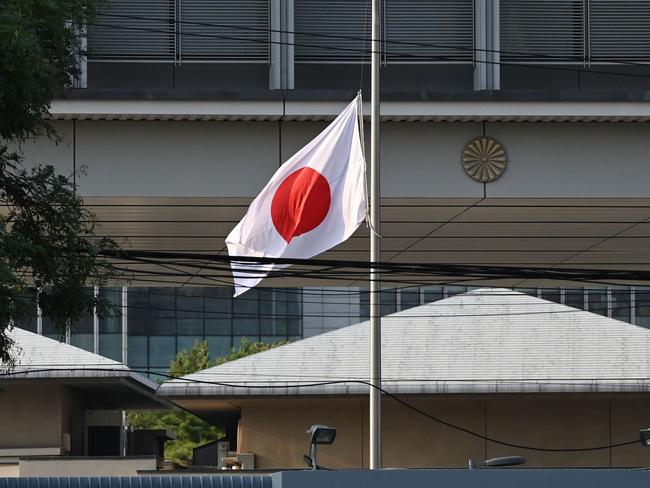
{"type": "Point", "coordinates": [341, 30]}
{"type": "Point", "coordinates": [620, 30]}
{"type": "Point", "coordinates": [133, 30]}
{"type": "Point", "coordinates": [425, 31]}
{"type": "Point", "coordinates": [542, 31]}
{"type": "Point", "coordinates": [233, 30]}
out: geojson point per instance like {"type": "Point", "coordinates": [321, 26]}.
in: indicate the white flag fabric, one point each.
{"type": "Point", "coordinates": [314, 201]}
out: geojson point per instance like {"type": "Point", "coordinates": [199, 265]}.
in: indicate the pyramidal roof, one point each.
{"type": "Point", "coordinates": [41, 357]}
{"type": "Point", "coordinates": [484, 341]}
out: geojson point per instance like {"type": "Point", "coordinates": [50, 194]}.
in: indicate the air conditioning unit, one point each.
{"type": "Point", "coordinates": [106, 433]}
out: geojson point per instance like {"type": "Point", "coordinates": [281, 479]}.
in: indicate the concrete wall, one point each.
{"type": "Point", "coordinates": [275, 430]}
{"type": "Point", "coordinates": [9, 470]}
{"type": "Point", "coordinates": [32, 417]}
{"type": "Point", "coordinates": [74, 466]}
{"type": "Point", "coordinates": [419, 159]}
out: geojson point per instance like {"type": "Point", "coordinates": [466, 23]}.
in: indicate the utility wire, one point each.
{"type": "Point", "coordinates": [367, 40]}
{"type": "Point", "coordinates": [398, 399]}
{"type": "Point", "coordinates": [355, 50]}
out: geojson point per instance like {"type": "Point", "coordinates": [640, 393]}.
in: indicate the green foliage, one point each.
{"type": "Point", "coordinates": [191, 431]}
{"type": "Point", "coordinates": [246, 348]}
{"type": "Point", "coordinates": [38, 51]}
{"type": "Point", "coordinates": [46, 235]}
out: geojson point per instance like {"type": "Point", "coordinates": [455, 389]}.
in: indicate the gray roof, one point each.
{"type": "Point", "coordinates": [484, 341]}
{"type": "Point", "coordinates": [39, 357]}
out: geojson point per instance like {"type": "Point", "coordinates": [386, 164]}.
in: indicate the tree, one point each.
{"type": "Point", "coordinates": [49, 252]}
{"type": "Point", "coordinates": [190, 430]}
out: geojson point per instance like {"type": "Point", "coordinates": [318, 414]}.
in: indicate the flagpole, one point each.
{"type": "Point", "coordinates": [375, 248]}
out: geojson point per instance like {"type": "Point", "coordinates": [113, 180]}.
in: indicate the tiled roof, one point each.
{"type": "Point", "coordinates": [41, 357]}
{"type": "Point", "coordinates": [484, 341]}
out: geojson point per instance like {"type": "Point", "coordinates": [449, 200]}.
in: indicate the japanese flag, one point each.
{"type": "Point", "coordinates": [315, 200]}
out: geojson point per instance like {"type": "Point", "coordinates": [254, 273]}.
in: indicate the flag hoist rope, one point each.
{"type": "Point", "coordinates": [375, 248]}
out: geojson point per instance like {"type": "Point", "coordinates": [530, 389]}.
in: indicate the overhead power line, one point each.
{"type": "Point", "coordinates": [368, 51]}
{"type": "Point", "coordinates": [299, 385]}
{"type": "Point", "coordinates": [365, 40]}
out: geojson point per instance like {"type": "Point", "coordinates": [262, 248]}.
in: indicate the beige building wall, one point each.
{"type": "Point", "coordinates": [274, 429]}
{"type": "Point", "coordinates": [31, 416]}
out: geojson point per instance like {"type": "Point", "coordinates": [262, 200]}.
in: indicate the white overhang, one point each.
{"type": "Point", "coordinates": [269, 110]}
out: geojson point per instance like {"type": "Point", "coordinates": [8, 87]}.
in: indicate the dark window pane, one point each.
{"type": "Point", "coordinates": [189, 303]}
{"type": "Point", "coordinates": [433, 294]}
{"type": "Point", "coordinates": [187, 342]}
{"type": "Point", "coordinates": [388, 302]}
{"type": "Point", "coordinates": [246, 314]}
{"type": "Point", "coordinates": [409, 298]}
{"type": "Point", "coordinates": [83, 341]}
{"type": "Point", "coordinates": [161, 351]}
{"type": "Point", "coordinates": [112, 321]}
{"type": "Point", "coordinates": [218, 326]}
{"type": "Point", "coordinates": [110, 346]}
{"type": "Point", "coordinates": [597, 301]}
{"type": "Point", "coordinates": [28, 313]}
{"type": "Point", "coordinates": [364, 303]}
{"type": "Point", "coordinates": [219, 346]}
{"type": "Point", "coordinates": [621, 305]}
{"type": "Point", "coordinates": [137, 352]}
{"type": "Point", "coordinates": [528, 291]}
{"type": "Point", "coordinates": [138, 311]}
{"type": "Point", "coordinates": [551, 294]}
{"type": "Point", "coordinates": [455, 290]}
{"type": "Point", "coordinates": [642, 306]}
{"type": "Point", "coordinates": [574, 297]}
{"type": "Point", "coordinates": [294, 327]}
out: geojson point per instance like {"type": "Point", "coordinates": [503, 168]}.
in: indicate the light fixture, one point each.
{"type": "Point", "coordinates": [318, 435]}
{"type": "Point", "coordinates": [497, 462]}
{"type": "Point", "coordinates": [644, 437]}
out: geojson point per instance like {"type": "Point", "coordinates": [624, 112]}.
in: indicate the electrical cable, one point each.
{"type": "Point", "coordinates": [333, 48]}
{"type": "Point", "coordinates": [365, 39]}
{"type": "Point", "coordinates": [388, 394]}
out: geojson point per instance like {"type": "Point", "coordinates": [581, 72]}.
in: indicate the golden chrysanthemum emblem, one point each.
{"type": "Point", "coordinates": [484, 159]}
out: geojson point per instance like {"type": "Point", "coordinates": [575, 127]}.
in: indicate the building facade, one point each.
{"type": "Point", "coordinates": [183, 110]}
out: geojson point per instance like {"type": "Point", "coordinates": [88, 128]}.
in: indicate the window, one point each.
{"type": "Point", "coordinates": [547, 31]}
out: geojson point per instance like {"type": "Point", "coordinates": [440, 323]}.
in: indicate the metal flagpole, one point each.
{"type": "Point", "coordinates": [375, 248]}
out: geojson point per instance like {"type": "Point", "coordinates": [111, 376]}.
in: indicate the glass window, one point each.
{"type": "Point", "coordinates": [574, 297]}
{"type": "Point", "coordinates": [27, 311]}
{"type": "Point", "coordinates": [364, 303]}
{"type": "Point", "coordinates": [528, 291]}
{"type": "Point", "coordinates": [219, 346]}
{"type": "Point", "coordinates": [218, 310]}
{"type": "Point", "coordinates": [246, 314]}
{"type": "Point", "coordinates": [409, 298]}
{"type": "Point", "coordinates": [189, 307]}
{"type": "Point", "coordinates": [187, 342]}
{"type": "Point", "coordinates": [621, 309]}
{"type": "Point", "coordinates": [597, 301]}
{"type": "Point", "coordinates": [162, 349]}
{"type": "Point", "coordinates": [433, 294]}
{"type": "Point", "coordinates": [138, 311]}
{"type": "Point", "coordinates": [237, 340]}
{"type": "Point", "coordinates": [388, 302]}
{"type": "Point", "coordinates": [162, 311]}
{"type": "Point", "coordinates": [642, 306]}
{"type": "Point", "coordinates": [294, 327]}
{"type": "Point", "coordinates": [455, 290]}
{"type": "Point", "coordinates": [83, 341]}
{"type": "Point", "coordinates": [138, 351]}
{"type": "Point", "coordinates": [111, 322]}
{"type": "Point", "coordinates": [110, 346]}
{"type": "Point", "coordinates": [551, 294]}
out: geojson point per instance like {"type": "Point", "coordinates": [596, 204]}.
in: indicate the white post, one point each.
{"type": "Point", "coordinates": [375, 249]}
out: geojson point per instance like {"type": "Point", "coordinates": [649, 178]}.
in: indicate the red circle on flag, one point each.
{"type": "Point", "coordinates": [300, 203]}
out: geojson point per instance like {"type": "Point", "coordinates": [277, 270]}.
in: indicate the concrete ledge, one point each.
{"type": "Point", "coordinates": [464, 478]}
